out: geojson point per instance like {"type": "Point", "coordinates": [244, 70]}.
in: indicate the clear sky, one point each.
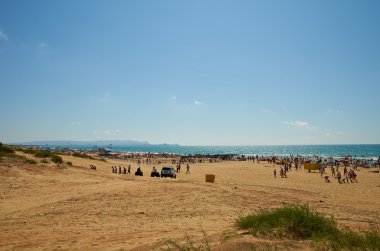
{"type": "Point", "coordinates": [191, 72]}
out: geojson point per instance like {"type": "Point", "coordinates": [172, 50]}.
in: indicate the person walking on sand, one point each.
{"type": "Point", "coordinates": [124, 170]}
{"type": "Point", "coordinates": [129, 169]}
{"type": "Point", "coordinates": [119, 169]}
{"type": "Point", "coordinates": [187, 168]}
{"type": "Point", "coordinates": [275, 172]}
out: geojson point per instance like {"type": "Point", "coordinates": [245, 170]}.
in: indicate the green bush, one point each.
{"type": "Point", "coordinates": [44, 161]}
{"type": "Point", "coordinates": [356, 241]}
{"type": "Point", "coordinates": [56, 159]}
{"type": "Point", "coordinates": [31, 161]}
{"type": "Point", "coordinates": [298, 222]}
{"type": "Point", "coordinates": [82, 155]}
{"type": "Point", "coordinates": [6, 149]}
{"type": "Point", "coordinates": [43, 154]}
{"type": "Point", "coordinates": [294, 221]}
{"type": "Point", "coordinates": [27, 150]}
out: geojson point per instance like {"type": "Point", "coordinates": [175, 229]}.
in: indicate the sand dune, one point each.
{"type": "Point", "coordinates": [45, 207]}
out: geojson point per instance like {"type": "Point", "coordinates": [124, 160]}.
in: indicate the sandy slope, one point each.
{"type": "Point", "coordinates": [43, 207]}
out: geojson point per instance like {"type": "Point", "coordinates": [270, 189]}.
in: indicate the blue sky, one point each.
{"type": "Point", "coordinates": [191, 72]}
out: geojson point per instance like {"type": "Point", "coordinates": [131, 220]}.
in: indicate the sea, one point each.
{"type": "Point", "coordinates": [370, 151]}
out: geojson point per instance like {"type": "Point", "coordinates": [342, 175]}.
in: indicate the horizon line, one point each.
{"type": "Point", "coordinates": [146, 142]}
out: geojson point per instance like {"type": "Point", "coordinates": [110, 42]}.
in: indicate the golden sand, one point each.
{"type": "Point", "coordinates": [45, 207]}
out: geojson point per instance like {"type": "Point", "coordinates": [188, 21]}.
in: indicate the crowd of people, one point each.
{"type": "Point", "coordinates": [127, 170]}
{"type": "Point", "coordinates": [343, 169]}
{"type": "Point", "coordinates": [346, 176]}
{"type": "Point", "coordinates": [121, 170]}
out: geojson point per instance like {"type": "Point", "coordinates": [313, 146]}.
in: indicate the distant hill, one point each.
{"type": "Point", "coordinates": [86, 143]}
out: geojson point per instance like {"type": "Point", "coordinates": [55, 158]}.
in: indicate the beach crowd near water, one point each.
{"type": "Point", "coordinates": [343, 170]}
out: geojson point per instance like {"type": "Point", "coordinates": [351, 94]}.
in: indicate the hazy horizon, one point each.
{"type": "Point", "coordinates": [191, 73]}
{"type": "Point", "coordinates": [146, 142]}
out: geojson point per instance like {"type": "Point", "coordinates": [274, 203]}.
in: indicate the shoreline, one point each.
{"type": "Point", "coordinates": [236, 151]}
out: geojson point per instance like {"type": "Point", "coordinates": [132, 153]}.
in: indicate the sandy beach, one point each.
{"type": "Point", "coordinates": [44, 207]}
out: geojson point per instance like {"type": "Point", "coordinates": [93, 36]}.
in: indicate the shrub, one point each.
{"type": "Point", "coordinates": [6, 149]}
{"type": "Point", "coordinates": [82, 155]}
{"type": "Point", "coordinates": [293, 221]}
{"type": "Point", "coordinates": [356, 241]}
{"type": "Point", "coordinates": [27, 150]}
{"type": "Point", "coordinates": [69, 163]}
{"type": "Point", "coordinates": [44, 161]}
{"type": "Point", "coordinates": [56, 159]}
{"type": "Point", "coordinates": [42, 154]}
{"type": "Point", "coordinates": [298, 222]}
{"type": "Point", "coordinates": [31, 161]}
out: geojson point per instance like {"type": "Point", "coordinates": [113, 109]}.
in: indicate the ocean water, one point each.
{"type": "Point", "coordinates": [359, 151]}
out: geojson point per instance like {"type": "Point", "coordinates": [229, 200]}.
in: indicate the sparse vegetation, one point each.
{"type": "Point", "coordinates": [42, 154]}
{"type": "Point", "coordinates": [31, 161]}
{"type": "Point", "coordinates": [82, 155]}
{"type": "Point", "coordinates": [298, 222]}
{"type": "Point", "coordinates": [26, 150]}
{"type": "Point", "coordinates": [44, 161]}
{"type": "Point", "coordinates": [188, 244]}
{"type": "Point", "coordinates": [6, 149]}
{"type": "Point", "coordinates": [56, 159]}
{"type": "Point", "coordinates": [69, 163]}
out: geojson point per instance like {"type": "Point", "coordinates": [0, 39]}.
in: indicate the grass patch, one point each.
{"type": "Point", "coordinates": [347, 239]}
{"type": "Point", "coordinates": [6, 149]}
{"type": "Point", "coordinates": [299, 222]}
{"type": "Point", "coordinates": [44, 161]}
{"type": "Point", "coordinates": [42, 154]}
{"type": "Point", "coordinates": [295, 222]}
{"type": "Point", "coordinates": [188, 244]}
{"type": "Point", "coordinates": [82, 155]}
{"type": "Point", "coordinates": [26, 150]}
{"type": "Point", "coordinates": [56, 159]}
{"type": "Point", "coordinates": [31, 161]}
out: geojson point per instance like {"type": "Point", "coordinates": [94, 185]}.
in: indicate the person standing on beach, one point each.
{"type": "Point", "coordinates": [129, 169]}
{"type": "Point", "coordinates": [339, 176]}
{"type": "Point", "coordinates": [187, 168]}
{"type": "Point", "coordinates": [345, 172]}
{"type": "Point", "coordinates": [275, 172]}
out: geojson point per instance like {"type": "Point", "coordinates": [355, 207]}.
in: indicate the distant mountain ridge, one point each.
{"type": "Point", "coordinates": [86, 143]}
